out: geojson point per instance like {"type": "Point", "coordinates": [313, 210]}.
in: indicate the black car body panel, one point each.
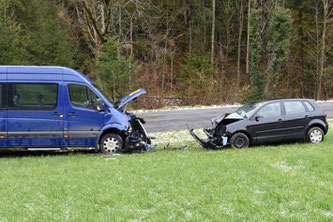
{"type": "Point", "coordinates": [267, 121]}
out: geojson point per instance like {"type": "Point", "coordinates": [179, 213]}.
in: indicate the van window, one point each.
{"type": "Point", "coordinates": [293, 107]}
{"type": "Point", "coordinates": [32, 96]}
{"type": "Point", "coordinates": [82, 96]}
{"type": "Point", "coordinates": [2, 96]}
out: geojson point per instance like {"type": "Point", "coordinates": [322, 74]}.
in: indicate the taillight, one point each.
{"type": "Point", "coordinates": [325, 115]}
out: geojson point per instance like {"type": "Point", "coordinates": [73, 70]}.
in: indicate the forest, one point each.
{"type": "Point", "coordinates": [182, 52]}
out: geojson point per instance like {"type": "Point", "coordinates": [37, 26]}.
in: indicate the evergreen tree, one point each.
{"type": "Point", "coordinates": [279, 43]}
{"type": "Point", "coordinates": [115, 72]}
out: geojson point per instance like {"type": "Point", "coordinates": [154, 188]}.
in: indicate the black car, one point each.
{"type": "Point", "coordinates": [267, 121]}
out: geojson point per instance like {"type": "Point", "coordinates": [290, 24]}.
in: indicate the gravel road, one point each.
{"type": "Point", "coordinates": [158, 121]}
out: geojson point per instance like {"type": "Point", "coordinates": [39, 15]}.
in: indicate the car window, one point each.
{"type": "Point", "coordinates": [32, 96]}
{"type": "Point", "coordinates": [248, 109]}
{"type": "Point", "coordinates": [270, 110]}
{"type": "Point", "coordinates": [309, 106]}
{"type": "Point", "coordinates": [81, 96]}
{"type": "Point", "coordinates": [293, 107]}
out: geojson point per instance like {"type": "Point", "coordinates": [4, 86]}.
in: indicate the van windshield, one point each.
{"type": "Point", "coordinates": [103, 94]}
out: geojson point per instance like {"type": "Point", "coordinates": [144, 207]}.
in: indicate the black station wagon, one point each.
{"type": "Point", "coordinates": [267, 121]}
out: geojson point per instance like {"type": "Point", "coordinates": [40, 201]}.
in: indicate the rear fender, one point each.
{"type": "Point", "coordinates": [317, 122]}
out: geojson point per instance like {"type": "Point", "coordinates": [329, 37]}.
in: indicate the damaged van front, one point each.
{"type": "Point", "coordinates": [123, 131]}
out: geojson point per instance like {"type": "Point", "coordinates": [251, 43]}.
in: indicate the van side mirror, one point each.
{"type": "Point", "coordinates": [258, 117]}
{"type": "Point", "coordinates": [100, 106]}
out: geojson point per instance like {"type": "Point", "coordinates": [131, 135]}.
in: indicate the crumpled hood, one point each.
{"type": "Point", "coordinates": [218, 119]}
{"type": "Point", "coordinates": [130, 97]}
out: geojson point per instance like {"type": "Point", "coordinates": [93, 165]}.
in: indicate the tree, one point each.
{"type": "Point", "coordinates": [278, 46]}
{"type": "Point", "coordinates": [114, 71]}
{"type": "Point", "coordinates": [327, 10]}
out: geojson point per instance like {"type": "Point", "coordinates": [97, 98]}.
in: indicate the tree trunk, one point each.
{"type": "Point", "coordinates": [119, 28]}
{"type": "Point", "coordinates": [213, 35]}
{"type": "Point", "coordinates": [248, 39]}
{"type": "Point", "coordinates": [301, 50]}
{"type": "Point", "coordinates": [241, 19]}
{"type": "Point", "coordinates": [323, 51]}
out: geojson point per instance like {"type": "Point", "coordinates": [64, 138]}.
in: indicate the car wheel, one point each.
{"type": "Point", "coordinates": [315, 135]}
{"type": "Point", "coordinates": [239, 141]}
{"type": "Point", "coordinates": [111, 143]}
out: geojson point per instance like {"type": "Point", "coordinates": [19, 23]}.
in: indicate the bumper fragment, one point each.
{"type": "Point", "coordinates": [208, 143]}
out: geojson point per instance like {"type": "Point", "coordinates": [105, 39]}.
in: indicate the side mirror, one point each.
{"type": "Point", "coordinates": [258, 117]}
{"type": "Point", "coordinates": [100, 106]}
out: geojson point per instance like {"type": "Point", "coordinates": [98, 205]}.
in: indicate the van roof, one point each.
{"type": "Point", "coordinates": [45, 73]}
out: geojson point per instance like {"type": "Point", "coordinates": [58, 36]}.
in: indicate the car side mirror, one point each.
{"type": "Point", "coordinates": [100, 106]}
{"type": "Point", "coordinates": [258, 117]}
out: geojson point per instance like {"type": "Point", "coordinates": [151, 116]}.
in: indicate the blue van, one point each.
{"type": "Point", "coordinates": [60, 107]}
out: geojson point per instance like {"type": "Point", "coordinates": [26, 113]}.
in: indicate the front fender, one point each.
{"type": "Point", "coordinates": [120, 127]}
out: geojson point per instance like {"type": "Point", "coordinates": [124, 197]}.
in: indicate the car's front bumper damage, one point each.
{"type": "Point", "coordinates": [211, 143]}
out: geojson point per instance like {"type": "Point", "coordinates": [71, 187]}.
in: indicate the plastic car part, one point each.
{"type": "Point", "coordinates": [211, 143]}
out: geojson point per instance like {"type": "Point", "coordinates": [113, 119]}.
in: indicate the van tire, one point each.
{"type": "Point", "coordinates": [239, 141]}
{"type": "Point", "coordinates": [111, 143]}
{"type": "Point", "coordinates": [315, 135]}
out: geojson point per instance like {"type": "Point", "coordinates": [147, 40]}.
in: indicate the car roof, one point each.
{"type": "Point", "coordinates": [264, 101]}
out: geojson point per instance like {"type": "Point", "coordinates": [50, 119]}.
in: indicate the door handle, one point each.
{"type": "Point", "coordinates": [57, 114]}
{"type": "Point", "coordinates": [306, 116]}
{"type": "Point", "coordinates": [280, 120]}
{"type": "Point", "coordinates": [72, 114]}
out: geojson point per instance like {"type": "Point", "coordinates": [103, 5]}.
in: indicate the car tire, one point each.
{"type": "Point", "coordinates": [315, 135]}
{"type": "Point", "coordinates": [111, 143]}
{"type": "Point", "coordinates": [239, 141]}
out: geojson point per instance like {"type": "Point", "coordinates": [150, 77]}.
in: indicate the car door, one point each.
{"type": "Point", "coordinates": [83, 120]}
{"type": "Point", "coordinates": [267, 124]}
{"type": "Point", "coordinates": [296, 119]}
{"type": "Point", "coordinates": [35, 114]}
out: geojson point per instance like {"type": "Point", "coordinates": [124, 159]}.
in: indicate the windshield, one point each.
{"type": "Point", "coordinates": [247, 110]}
{"type": "Point", "coordinates": [103, 94]}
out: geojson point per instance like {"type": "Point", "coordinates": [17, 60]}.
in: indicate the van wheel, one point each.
{"type": "Point", "coordinates": [111, 143]}
{"type": "Point", "coordinates": [315, 135]}
{"type": "Point", "coordinates": [239, 141]}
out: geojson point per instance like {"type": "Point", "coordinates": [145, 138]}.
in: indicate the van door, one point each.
{"type": "Point", "coordinates": [83, 120]}
{"type": "Point", "coordinates": [35, 114]}
{"type": "Point", "coordinates": [3, 116]}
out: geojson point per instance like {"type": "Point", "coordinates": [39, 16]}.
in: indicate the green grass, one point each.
{"type": "Point", "coordinates": [282, 182]}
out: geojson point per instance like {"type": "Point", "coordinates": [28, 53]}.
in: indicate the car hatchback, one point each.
{"type": "Point", "coordinates": [267, 121]}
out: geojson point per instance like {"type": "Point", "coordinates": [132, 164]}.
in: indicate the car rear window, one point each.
{"type": "Point", "coordinates": [309, 106]}
{"type": "Point", "coordinates": [293, 107]}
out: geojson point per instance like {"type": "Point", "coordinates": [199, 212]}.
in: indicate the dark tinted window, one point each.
{"type": "Point", "coordinates": [270, 110]}
{"type": "Point", "coordinates": [2, 100]}
{"type": "Point", "coordinates": [293, 107]}
{"type": "Point", "coordinates": [82, 96]}
{"type": "Point", "coordinates": [32, 96]}
{"type": "Point", "coordinates": [309, 106]}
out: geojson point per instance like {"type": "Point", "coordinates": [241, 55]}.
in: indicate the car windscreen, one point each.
{"type": "Point", "coordinates": [103, 94]}
{"type": "Point", "coordinates": [246, 110]}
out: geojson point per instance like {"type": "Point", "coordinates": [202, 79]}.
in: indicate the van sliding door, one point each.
{"type": "Point", "coordinates": [35, 114]}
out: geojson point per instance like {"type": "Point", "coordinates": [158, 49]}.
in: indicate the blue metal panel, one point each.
{"type": "Point", "coordinates": [36, 128]}
{"type": "Point", "coordinates": [34, 73]}
{"type": "Point", "coordinates": [81, 124]}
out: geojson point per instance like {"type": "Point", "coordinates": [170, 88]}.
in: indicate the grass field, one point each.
{"type": "Point", "coordinates": [264, 183]}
